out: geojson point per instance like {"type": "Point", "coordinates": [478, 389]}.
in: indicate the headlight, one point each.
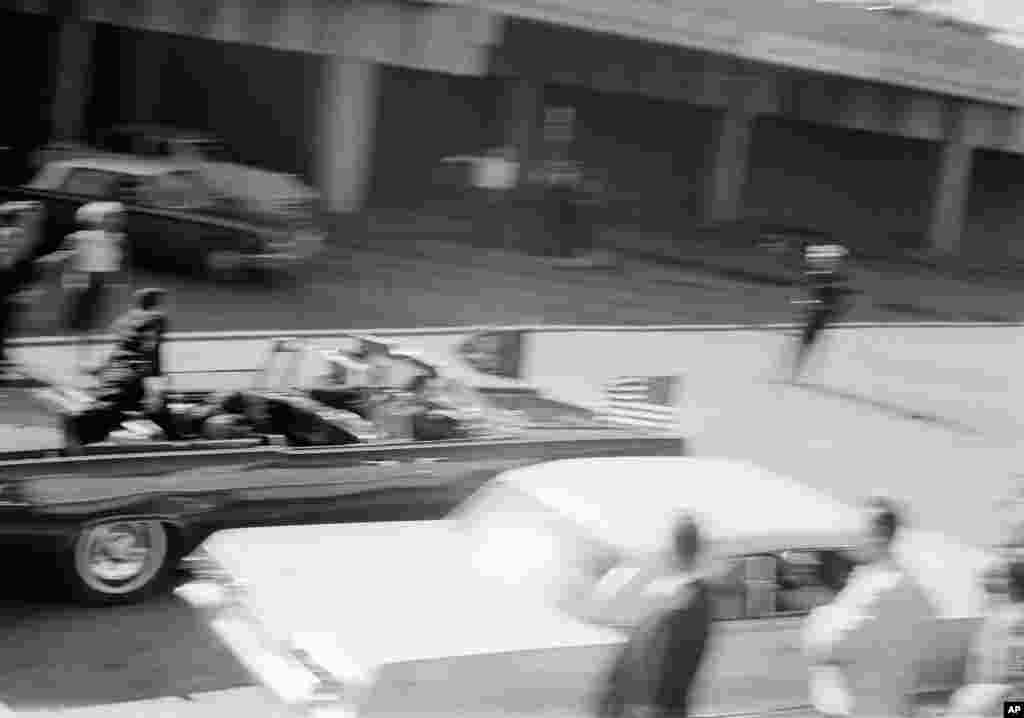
{"type": "Point", "coordinates": [213, 589]}
{"type": "Point", "coordinates": [341, 683]}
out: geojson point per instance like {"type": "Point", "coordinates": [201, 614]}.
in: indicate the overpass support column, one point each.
{"type": "Point", "coordinates": [728, 167]}
{"type": "Point", "coordinates": [72, 84]}
{"type": "Point", "coordinates": [952, 186]}
{"type": "Point", "coordinates": [519, 112]}
{"type": "Point", "coordinates": [348, 116]}
{"type": "Point", "coordinates": [147, 80]}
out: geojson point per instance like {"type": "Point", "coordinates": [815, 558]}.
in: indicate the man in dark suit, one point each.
{"type": "Point", "coordinates": [656, 669]}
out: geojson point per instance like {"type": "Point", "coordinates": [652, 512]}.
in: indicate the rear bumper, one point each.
{"type": "Point", "coordinates": [293, 685]}
{"type": "Point", "coordinates": [272, 260]}
{"type": "Point", "coordinates": [306, 246]}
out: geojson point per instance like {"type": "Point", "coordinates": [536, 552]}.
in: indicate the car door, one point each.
{"type": "Point", "coordinates": [144, 234]}
{"type": "Point", "coordinates": [198, 226]}
{"type": "Point", "coordinates": [756, 660]}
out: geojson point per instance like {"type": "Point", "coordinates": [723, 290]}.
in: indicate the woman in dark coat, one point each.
{"type": "Point", "coordinates": [137, 354]}
{"type": "Point", "coordinates": [122, 379]}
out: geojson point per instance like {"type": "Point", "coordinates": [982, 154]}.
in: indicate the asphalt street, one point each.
{"type": "Point", "coordinates": [404, 281]}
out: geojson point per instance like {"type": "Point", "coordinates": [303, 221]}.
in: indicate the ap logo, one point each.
{"type": "Point", "coordinates": [1013, 708]}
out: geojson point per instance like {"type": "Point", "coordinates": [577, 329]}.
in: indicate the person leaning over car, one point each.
{"type": "Point", "coordinates": [655, 671]}
{"type": "Point", "coordinates": [866, 647]}
{"type": "Point", "coordinates": [996, 669]}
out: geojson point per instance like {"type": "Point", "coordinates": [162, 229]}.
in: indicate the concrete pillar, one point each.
{"type": "Point", "coordinates": [727, 170]}
{"type": "Point", "coordinates": [519, 113]}
{"type": "Point", "coordinates": [72, 85]}
{"type": "Point", "coordinates": [952, 186]}
{"type": "Point", "coordinates": [520, 106]}
{"type": "Point", "coordinates": [349, 100]}
{"type": "Point", "coordinates": [147, 79]}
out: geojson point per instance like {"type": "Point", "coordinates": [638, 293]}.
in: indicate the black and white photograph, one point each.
{"type": "Point", "coordinates": [512, 359]}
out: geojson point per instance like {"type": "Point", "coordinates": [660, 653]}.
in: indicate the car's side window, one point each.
{"type": "Point", "coordinates": [128, 189]}
{"type": "Point", "coordinates": [148, 192]}
{"type": "Point", "coordinates": [119, 142]}
{"type": "Point", "coordinates": [779, 584]}
{"type": "Point", "coordinates": [96, 184]}
{"type": "Point", "coordinates": [174, 191]}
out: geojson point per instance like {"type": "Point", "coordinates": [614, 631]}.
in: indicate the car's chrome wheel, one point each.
{"type": "Point", "coordinates": [120, 561]}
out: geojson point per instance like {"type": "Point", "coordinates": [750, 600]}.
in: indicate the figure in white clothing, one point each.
{"type": "Point", "coordinates": [96, 256]}
{"type": "Point", "coordinates": [867, 646]}
{"type": "Point", "coordinates": [995, 671]}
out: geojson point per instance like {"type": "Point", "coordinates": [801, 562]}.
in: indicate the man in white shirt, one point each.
{"type": "Point", "coordinates": [867, 645]}
{"type": "Point", "coordinates": [995, 671]}
{"type": "Point", "coordinates": [495, 176]}
{"type": "Point", "coordinates": [95, 264]}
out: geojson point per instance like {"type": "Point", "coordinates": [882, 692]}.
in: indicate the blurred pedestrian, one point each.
{"type": "Point", "coordinates": [995, 671]}
{"type": "Point", "coordinates": [563, 186]}
{"type": "Point", "coordinates": [828, 298]}
{"type": "Point", "coordinates": [10, 243]}
{"type": "Point", "coordinates": [20, 224]}
{"type": "Point", "coordinates": [866, 647]}
{"type": "Point", "coordinates": [95, 264]}
{"type": "Point", "coordinates": [495, 176]}
{"type": "Point", "coordinates": [655, 670]}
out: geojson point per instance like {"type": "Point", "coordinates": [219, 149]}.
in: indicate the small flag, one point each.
{"type": "Point", "coordinates": [650, 402]}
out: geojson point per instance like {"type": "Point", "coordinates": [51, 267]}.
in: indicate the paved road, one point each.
{"type": "Point", "coordinates": [401, 281]}
{"type": "Point", "coordinates": [844, 435]}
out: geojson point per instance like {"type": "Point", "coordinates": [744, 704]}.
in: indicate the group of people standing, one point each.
{"type": "Point", "coordinates": [865, 647]}
{"type": "Point", "coordinates": [90, 263]}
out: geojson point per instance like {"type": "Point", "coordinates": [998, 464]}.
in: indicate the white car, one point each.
{"type": "Point", "coordinates": [489, 612]}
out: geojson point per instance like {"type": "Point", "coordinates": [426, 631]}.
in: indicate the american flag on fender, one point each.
{"type": "Point", "coordinates": [650, 402]}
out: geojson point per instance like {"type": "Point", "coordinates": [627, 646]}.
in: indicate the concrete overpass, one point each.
{"type": "Point", "coordinates": [891, 129]}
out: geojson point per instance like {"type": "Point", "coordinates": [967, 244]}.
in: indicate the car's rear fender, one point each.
{"type": "Point", "coordinates": [551, 681]}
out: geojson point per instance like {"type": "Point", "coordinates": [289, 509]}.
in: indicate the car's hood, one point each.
{"type": "Point", "coordinates": [389, 593]}
{"type": "Point", "coordinates": [258, 185]}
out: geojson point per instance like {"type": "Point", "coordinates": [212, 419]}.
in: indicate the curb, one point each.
{"type": "Point", "coordinates": [60, 341]}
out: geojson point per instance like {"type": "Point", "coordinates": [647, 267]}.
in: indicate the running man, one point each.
{"type": "Point", "coordinates": [828, 298]}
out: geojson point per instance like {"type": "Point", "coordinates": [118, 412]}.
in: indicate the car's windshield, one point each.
{"type": "Point", "coordinates": [49, 178]}
{"type": "Point", "coordinates": [529, 546]}
{"type": "Point", "coordinates": [455, 393]}
{"type": "Point", "coordinates": [178, 190]}
{"type": "Point", "coordinates": [210, 150]}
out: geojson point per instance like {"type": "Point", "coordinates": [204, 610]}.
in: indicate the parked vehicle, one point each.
{"type": "Point", "coordinates": [173, 217]}
{"type": "Point", "coordinates": [261, 191]}
{"type": "Point", "coordinates": [486, 612]}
